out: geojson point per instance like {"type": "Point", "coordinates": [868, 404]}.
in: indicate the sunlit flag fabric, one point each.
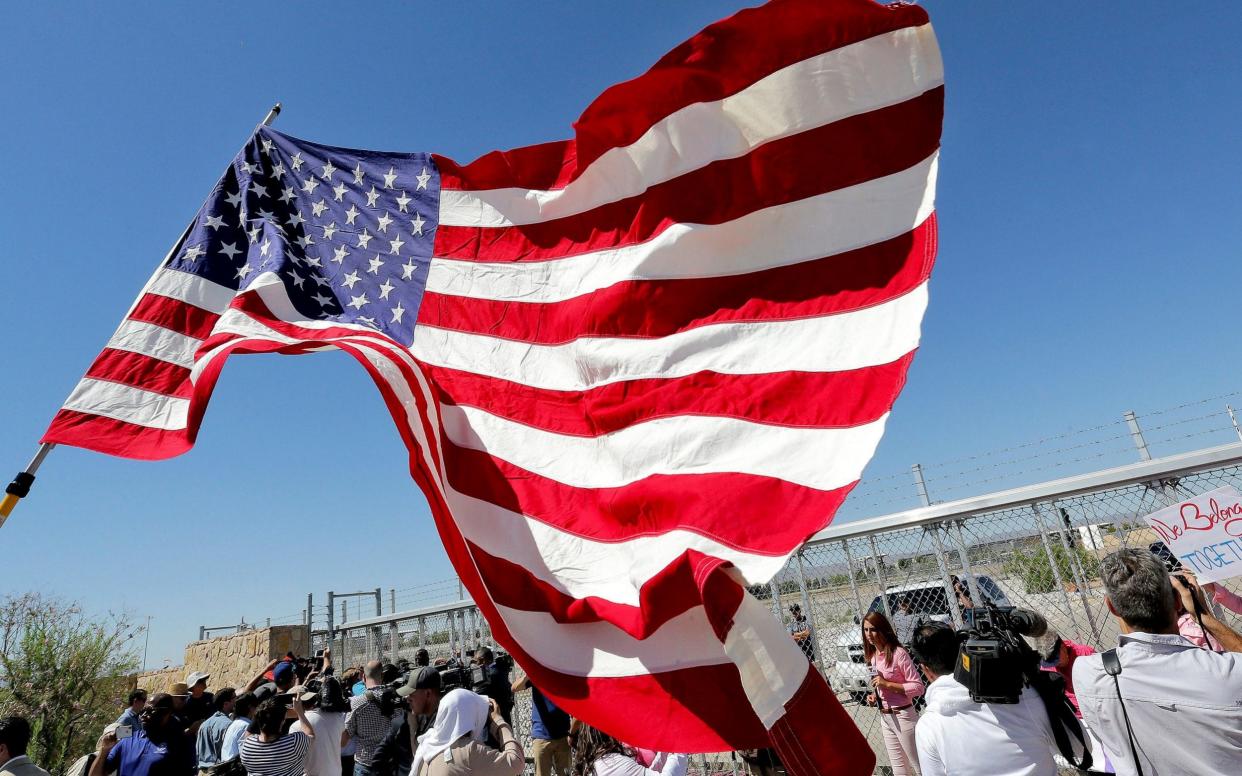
{"type": "Point", "coordinates": [635, 370]}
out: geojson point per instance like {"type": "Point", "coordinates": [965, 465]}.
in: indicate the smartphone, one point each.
{"type": "Point", "coordinates": [124, 731]}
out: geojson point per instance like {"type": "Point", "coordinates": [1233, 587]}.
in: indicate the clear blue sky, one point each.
{"type": "Point", "coordinates": [1089, 263]}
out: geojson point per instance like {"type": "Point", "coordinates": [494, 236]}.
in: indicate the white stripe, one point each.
{"type": "Point", "coordinates": [830, 343]}
{"type": "Point", "coordinates": [155, 341]}
{"type": "Point", "coordinates": [192, 289]}
{"type": "Point", "coordinates": [682, 444]}
{"type": "Point", "coordinates": [772, 667]}
{"type": "Point", "coordinates": [824, 225]}
{"type": "Point", "coordinates": [600, 649]}
{"type": "Point", "coordinates": [884, 70]}
{"type": "Point", "coordinates": [581, 567]}
{"type": "Point", "coordinates": [132, 405]}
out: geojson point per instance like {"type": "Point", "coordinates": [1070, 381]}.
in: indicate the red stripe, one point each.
{"type": "Point", "coordinates": [723, 59]}
{"type": "Point", "coordinates": [669, 593]}
{"type": "Point", "coordinates": [842, 154]}
{"type": "Point", "coordinates": [141, 371]}
{"type": "Point", "coordinates": [697, 709]}
{"type": "Point", "coordinates": [115, 437]}
{"type": "Point", "coordinates": [657, 308]}
{"type": "Point", "coordinates": [804, 399]}
{"type": "Point", "coordinates": [817, 736]}
{"type": "Point", "coordinates": [174, 314]}
{"type": "Point", "coordinates": [707, 504]}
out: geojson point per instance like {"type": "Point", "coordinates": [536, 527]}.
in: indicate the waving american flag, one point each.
{"type": "Point", "coordinates": [635, 370]}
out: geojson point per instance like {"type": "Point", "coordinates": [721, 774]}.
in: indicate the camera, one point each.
{"type": "Point", "coordinates": [454, 675]}
{"type": "Point", "coordinates": [994, 663]}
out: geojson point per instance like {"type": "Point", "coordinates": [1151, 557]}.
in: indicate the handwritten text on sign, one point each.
{"type": "Point", "coordinates": [1205, 533]}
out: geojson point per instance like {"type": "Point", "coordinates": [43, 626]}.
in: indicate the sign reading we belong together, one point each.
{"type": "Point", "coordinates": [1204, 533]}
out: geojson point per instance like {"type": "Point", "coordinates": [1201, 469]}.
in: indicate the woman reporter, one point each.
{"type": "Point", "coordinates": [897, 682]}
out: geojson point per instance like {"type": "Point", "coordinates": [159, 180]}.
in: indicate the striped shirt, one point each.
{"type": "Point", "coordinates": [286, 756]}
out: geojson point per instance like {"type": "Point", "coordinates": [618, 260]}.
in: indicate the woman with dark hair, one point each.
{"type": "Point", "coordinates": [897, 683]}
{"type": "Point", "coordinates": [326, 715]}
{"type": "Point", "coordinates": [598, 754]}
{"type": "Point", "coordinates": [266, 752]}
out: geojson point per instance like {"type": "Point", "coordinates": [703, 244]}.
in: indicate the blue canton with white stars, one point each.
{"type": "Point", "coordinates": [350, 233]}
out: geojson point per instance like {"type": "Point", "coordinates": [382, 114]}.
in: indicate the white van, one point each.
{"type": "Point", "coordinates": [926, 598]}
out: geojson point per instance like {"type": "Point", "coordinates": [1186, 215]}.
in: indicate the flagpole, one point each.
{"type": "Point", "coordinates": [19, 488]}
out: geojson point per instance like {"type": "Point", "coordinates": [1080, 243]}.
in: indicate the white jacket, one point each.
{"type": "Point", "coordinates": [957, 736]}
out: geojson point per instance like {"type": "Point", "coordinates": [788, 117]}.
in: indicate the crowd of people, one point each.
{"type": "Point", "coordinates": [1166, 700]}
{"type": "Point", "coordinates": [298, 717]}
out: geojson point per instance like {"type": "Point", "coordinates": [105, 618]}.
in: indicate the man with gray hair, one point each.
{"type": "Point", "coordinates": [1159, 704]}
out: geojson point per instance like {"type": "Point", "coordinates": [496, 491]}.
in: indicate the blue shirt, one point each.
{"type": "Point", "coordinates": [233, 736]}
{"type": "Point", "coordinates": [139, 756]}
{"type": "Point", "coordinates": [128, 717]}
{"type": "Point", "coordinates": [211, 739]}
{"type": "Point", "coordinates": [548, 722]}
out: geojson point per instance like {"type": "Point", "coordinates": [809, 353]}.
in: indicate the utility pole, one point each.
{"type": "Point", "coordinates": [146, 642]}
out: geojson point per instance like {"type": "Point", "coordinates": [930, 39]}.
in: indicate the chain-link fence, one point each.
{"type": "Point", "coordinates": [1037, 547]}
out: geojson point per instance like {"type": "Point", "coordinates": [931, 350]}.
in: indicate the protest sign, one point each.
{"type": "Point", "coordinates": [1204, 533]}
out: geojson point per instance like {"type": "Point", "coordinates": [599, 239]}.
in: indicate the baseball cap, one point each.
{"type": "Point", "coordinates": [427, 678]}
{"type": "Point", "coordinates": [195, 677]}
{"type": "Point", "coordinates": [282, 671]}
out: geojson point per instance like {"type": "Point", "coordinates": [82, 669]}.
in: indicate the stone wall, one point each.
{"type": "Point", "coordinates": [231, 660]}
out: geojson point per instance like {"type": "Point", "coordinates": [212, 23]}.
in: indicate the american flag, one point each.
{"type": "Point", "coordinates": [635, 370]}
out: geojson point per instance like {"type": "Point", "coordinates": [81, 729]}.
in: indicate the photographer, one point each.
{"type": "Point", "coordinates": [325, 716]}
{"type": "Point", "coordinates": [495, 682]}
{"type": "Point", "coordinates": [962, 737]}
{"type": "Point", "coordinates": [453, 746]}
{"type": "Point", "coordinates": [1165, 706]}
{"type": "Point", "coordinates": [370, 719]}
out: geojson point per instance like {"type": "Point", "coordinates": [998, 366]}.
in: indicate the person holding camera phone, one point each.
{"type": "Point", "coordinates": [265, 752]}
{"type": "Point", "coordinates": [146, 751]}
{"type": "Point", "coordinates": [455, 743]}
{"type": "Point", "coordinates": [1159, 704]}
{"type": "Point", "coordinates": [896, 683]}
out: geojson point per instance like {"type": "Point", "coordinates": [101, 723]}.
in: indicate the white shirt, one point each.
{"type": "Point", "coordinates": [620, 765]}
{"type": "Point", "coordinates": [957, 736]}
{"type": "Point", "coordinates": [1185, 706]}
{"type": "Point", "coordinates": [324, 758]}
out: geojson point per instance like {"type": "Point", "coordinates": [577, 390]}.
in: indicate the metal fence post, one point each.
{"type": "Point", "coordinates": [395, 632]}
{"type": "Point", "coordinates": [379, 603]}
{"type": "Point", "coordinates": [331, 617]}
{"type": "Point", "coordinates": [202, 632]}
{"type": "Point", "coordinates": [920, 484]}
{"type": "Point", "coordinates": [1052, 561]}
{"type": "Point", "coordinates": [1136, 433]}
{"type": "Point", "coordinates": [849, 561]}
{"type": "Point", "coordinates": [964, 554]}
{"type": "Point", "coordinates": [392, 600]}
{"type": "Point", "coordinates": [310, 615]}
{"type": "Point", "coordinates": [774, 590]}
{"type": "Point", "coordinates": [810, 613]}
{"type": "Point", "coordinates": [422, 632]}
{"type": "Point", "coordinates": [954, 608]}
{"type": "Point", "coordinates": [881, 577]}
{"type": "Point", "coordinates": [1079, 580]}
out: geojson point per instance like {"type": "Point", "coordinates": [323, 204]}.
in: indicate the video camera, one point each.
{"type": "Point", "coordinates": [994, 663]}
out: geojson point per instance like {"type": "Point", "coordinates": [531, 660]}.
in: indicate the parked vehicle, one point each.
{"type": "Point", "coordinates": [927, 600]}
